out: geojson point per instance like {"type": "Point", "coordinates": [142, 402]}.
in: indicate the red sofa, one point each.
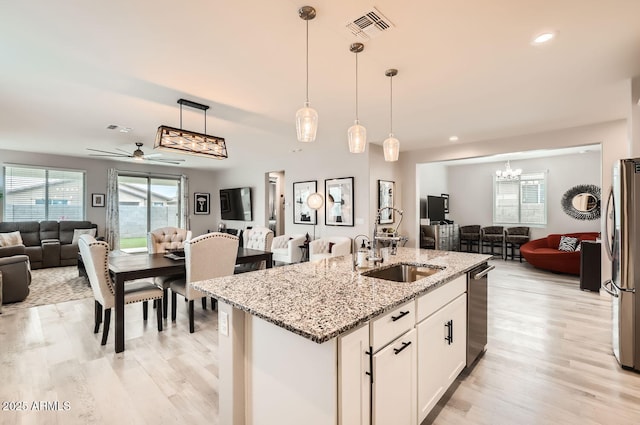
{"type": "Point", "coordinates": [544, 254]}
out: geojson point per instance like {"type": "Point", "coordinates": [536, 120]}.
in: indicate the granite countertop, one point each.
{"type": "Point", "coordinates": [322, 299]}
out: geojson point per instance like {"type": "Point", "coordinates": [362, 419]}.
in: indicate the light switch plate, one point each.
{"type": "Point", "coordinates": [223, 323]}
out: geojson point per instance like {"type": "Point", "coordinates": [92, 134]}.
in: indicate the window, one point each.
{"type": "Point", "coordinates": [146, 202]}
{"type": "Point", "coordinates": [37, 194]}
{"type": "Point", "coordinates": [520, 201]}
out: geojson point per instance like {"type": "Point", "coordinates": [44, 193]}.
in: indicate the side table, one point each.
{"type": "Point", "coordinates": [590, 266]}
{"type": "Point", "coordinates": [305, 252]}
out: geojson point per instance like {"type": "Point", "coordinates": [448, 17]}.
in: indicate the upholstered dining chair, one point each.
{"type": "Point", "coordinates": [514, 238]}
{"type": "Point", "coordinates": [95, 256]}
{"type": "Point", "coordinates": [286, 248]}
{"type": "Point", "coordinates": [470, 237]}
{"type": "Point", "coordinates": [492, 237]}
{"type": "Point", "coordinates": [330, 246]}
{"type": "Point", "coordinates": [162, 240]}
{"type": "Point", "coordinates": [206, 257]}
{"type": "Point", "coordinates": [258, 237]}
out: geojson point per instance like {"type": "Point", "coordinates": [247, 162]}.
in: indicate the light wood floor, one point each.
{"type": "Point", "coordinates": [549, 361]}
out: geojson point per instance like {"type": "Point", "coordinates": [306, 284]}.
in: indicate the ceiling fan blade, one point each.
{"type": "Point", "coordinates": [122, 150]}
{"type": "Point", "coordinates": [110, 155]}
{"type": "Point", "coordinates": [101, 151]}
{"type": "Point", "coordinates": [153, 155]}
{"type": "Point", "coordinates": [166, 161]}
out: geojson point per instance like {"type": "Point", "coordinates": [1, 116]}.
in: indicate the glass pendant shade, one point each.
{"type": "Point", "coordinates": [391, 148]}
{"type": "Point", "coordinates": [306, 123]}
{"type": "Point", "coordinates": [357, 138]}
{"type": "Point", "coordinates": [315, 200]}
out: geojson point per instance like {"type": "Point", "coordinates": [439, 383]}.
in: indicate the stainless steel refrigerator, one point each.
{"type": "Point", "coordinates": [622, 241]}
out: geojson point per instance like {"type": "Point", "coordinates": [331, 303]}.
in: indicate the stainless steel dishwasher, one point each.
{"type": "Point", "coordinates": [477, 311]}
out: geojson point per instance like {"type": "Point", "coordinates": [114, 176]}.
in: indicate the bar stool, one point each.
{"type": "Point", "coordinates": [492, 237]}
{"type": "Point", "coordinates": [515, 237]}
{"type": "Point", "coordinates": [470, 236]}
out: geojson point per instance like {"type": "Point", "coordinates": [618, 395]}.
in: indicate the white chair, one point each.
{"type": "Point", "coordinates": [286, 248]}
{"type": "Point", "coordinates": [206, 257]}
{"type": "Point", "coordinates": [330, 246]}
{"type": "Point", "coordinates": [162, 240]}
{"type": "Point", "coordinates": [95, 256]}
{"type": "Point", "coordinates": [260, 238]}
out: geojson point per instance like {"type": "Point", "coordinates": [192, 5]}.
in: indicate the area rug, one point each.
{"type": "Point", "coordinates": [51, 286]}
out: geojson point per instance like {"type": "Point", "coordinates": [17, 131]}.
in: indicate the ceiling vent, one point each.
{"type": "Point", "coordinates": [370, 24]}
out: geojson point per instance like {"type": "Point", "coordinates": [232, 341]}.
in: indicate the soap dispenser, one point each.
{"type": "Point", "coordinates": [361, 258]}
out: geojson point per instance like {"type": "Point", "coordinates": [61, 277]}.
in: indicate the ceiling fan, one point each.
{"type": "Point", "coordinates": [137, 155]}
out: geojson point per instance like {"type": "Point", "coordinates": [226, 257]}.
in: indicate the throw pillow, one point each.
{"type": "Point", "coordinates": [78, 232]}
{"type": "Point", "coordinates": [10, 239]}
{"type": "Point", "coordinates": [578, 246]}
{"type": "Point", "coordinates": [567, 243]}
{"type": "Point", "coordinates": [331, 244]}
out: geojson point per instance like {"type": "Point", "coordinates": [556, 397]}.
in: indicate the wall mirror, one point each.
{"type": "Point", "coordinates": [582, 202]}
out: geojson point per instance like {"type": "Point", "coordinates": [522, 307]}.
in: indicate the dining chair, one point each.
{"type": "Point", "coordinates": [470, 236]}
{"type": "Point", "coordinates": [260, 238]}
{"type": "Point", "coordinates": [492, 237]}
{"type": "Point", "coordinates": [95, 256]}
{"type": "Point", "coordinates": [162, 240]}
{"type": "Point", "coordinates": [206, 257]}
{"type": "Point", "coordinates": [515, 237]}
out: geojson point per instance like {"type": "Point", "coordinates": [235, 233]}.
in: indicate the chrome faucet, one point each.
{"type": "Point", "coordinates": [393, 237]}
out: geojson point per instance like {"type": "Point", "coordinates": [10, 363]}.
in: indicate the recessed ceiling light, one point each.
{"type": "Point", "coordinates": [453, 138]}
{"type": "Point", "coordinates": [125, 129]}
{"type": "Point", "coordinates": [543, 38]}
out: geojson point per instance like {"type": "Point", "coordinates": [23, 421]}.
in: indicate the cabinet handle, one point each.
{"type": "Point", "coordinates": [397, 351]}
{"type": "Point", "coordinates": [449, 337]}
{"type": "Point", "coordinates": [399, 316]}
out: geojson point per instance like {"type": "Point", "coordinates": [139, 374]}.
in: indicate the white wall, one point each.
{"type": "Point", "coordinates": [611, 135]}
{"type": "Point", "coordinates": [471, 190]}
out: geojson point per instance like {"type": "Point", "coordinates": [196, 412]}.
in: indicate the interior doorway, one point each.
{"type": "Point", "coordinates": [275, 183]}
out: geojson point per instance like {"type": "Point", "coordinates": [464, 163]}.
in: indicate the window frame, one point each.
{"type": "Point", "coordinates": [542, 195]}
{"type": "Point", "coordinates": [47, 200]}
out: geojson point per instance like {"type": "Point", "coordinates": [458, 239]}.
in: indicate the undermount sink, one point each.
{"type": "Point", "coordinates": [403, 272]}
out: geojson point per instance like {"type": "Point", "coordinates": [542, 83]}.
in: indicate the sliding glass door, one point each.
{"type": "Point", "coordinates": [146, 203]}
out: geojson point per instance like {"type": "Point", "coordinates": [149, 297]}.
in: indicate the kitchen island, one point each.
{"type": "Point", "coordinates": [300, 344]}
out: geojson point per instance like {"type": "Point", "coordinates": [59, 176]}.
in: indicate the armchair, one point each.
{"type": "Point", "coordinates": [257, 237]}
{"type": "Point", "coordinates": [330, 246]}
{"type": "Point", "coordinates": [286, 248]}
{"type": "Point", "coordinates": [16, 277]}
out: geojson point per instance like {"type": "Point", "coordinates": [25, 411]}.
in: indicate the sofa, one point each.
{"type": "Point", "coordinates": [46, 243]}
{"type": "Point", "coordinates": [16, 277]}
{"type": "Point", "coordinates": [544, 253]}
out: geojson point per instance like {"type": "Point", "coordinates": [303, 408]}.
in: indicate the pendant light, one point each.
{"type": "Point", "coordinates": [391, 146]}
{"type": "Point", "coordinates": [357, 133]}
{"type": "Point", "coordinates": [307, 117]}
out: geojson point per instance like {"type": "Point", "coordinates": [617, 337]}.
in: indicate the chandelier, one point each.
{"type": "Point", "coordinates": [190, 142]}
{"type": "Point", "coordinates": [508, 173]}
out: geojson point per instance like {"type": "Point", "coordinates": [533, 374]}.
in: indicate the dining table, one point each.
{"type": "Point", "coordinates": [131, 266]}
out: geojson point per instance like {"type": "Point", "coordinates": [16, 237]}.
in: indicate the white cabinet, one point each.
{"type": "Point", "coordinates": [394, 382]}
{"type": "Point", "coordinates": [354, 382]}
{"type": "Point", "coordinates": [442, 339]}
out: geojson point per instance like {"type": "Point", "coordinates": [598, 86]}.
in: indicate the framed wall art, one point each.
{"type": "Point", "coordinates": [445, 196]}
{"type": "Point", "coordinates": [339, 202]}
{"type": "Point", "coordinates": [302, 213]}
{"type": "Point", "coordinates": [97, 199]}
{"type": "Point", "coordinates": [386, 189]}
{"type": "Point", "coordinates": [201, 204]}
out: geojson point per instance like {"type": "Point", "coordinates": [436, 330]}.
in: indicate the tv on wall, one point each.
{"type": "Point", "coordinates": [235, 204]}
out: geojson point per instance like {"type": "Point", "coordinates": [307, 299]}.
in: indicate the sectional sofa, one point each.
{"type": "Point", "coordinates": [46, 243]}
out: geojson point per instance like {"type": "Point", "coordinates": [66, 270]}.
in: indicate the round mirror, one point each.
{"type": "Point", "coordinates": [582, 202]}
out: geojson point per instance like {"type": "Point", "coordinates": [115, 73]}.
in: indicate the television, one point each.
{"type": "Point", "coordinates": [435, 209]}
{"type": "Point", "coordinates": [235, 204]}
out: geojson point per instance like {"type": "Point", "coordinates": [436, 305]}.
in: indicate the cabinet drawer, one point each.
{"type": "Point", "coordinates": [432, 301]}
{"type": "Point", "coordinates": [391, 325]}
